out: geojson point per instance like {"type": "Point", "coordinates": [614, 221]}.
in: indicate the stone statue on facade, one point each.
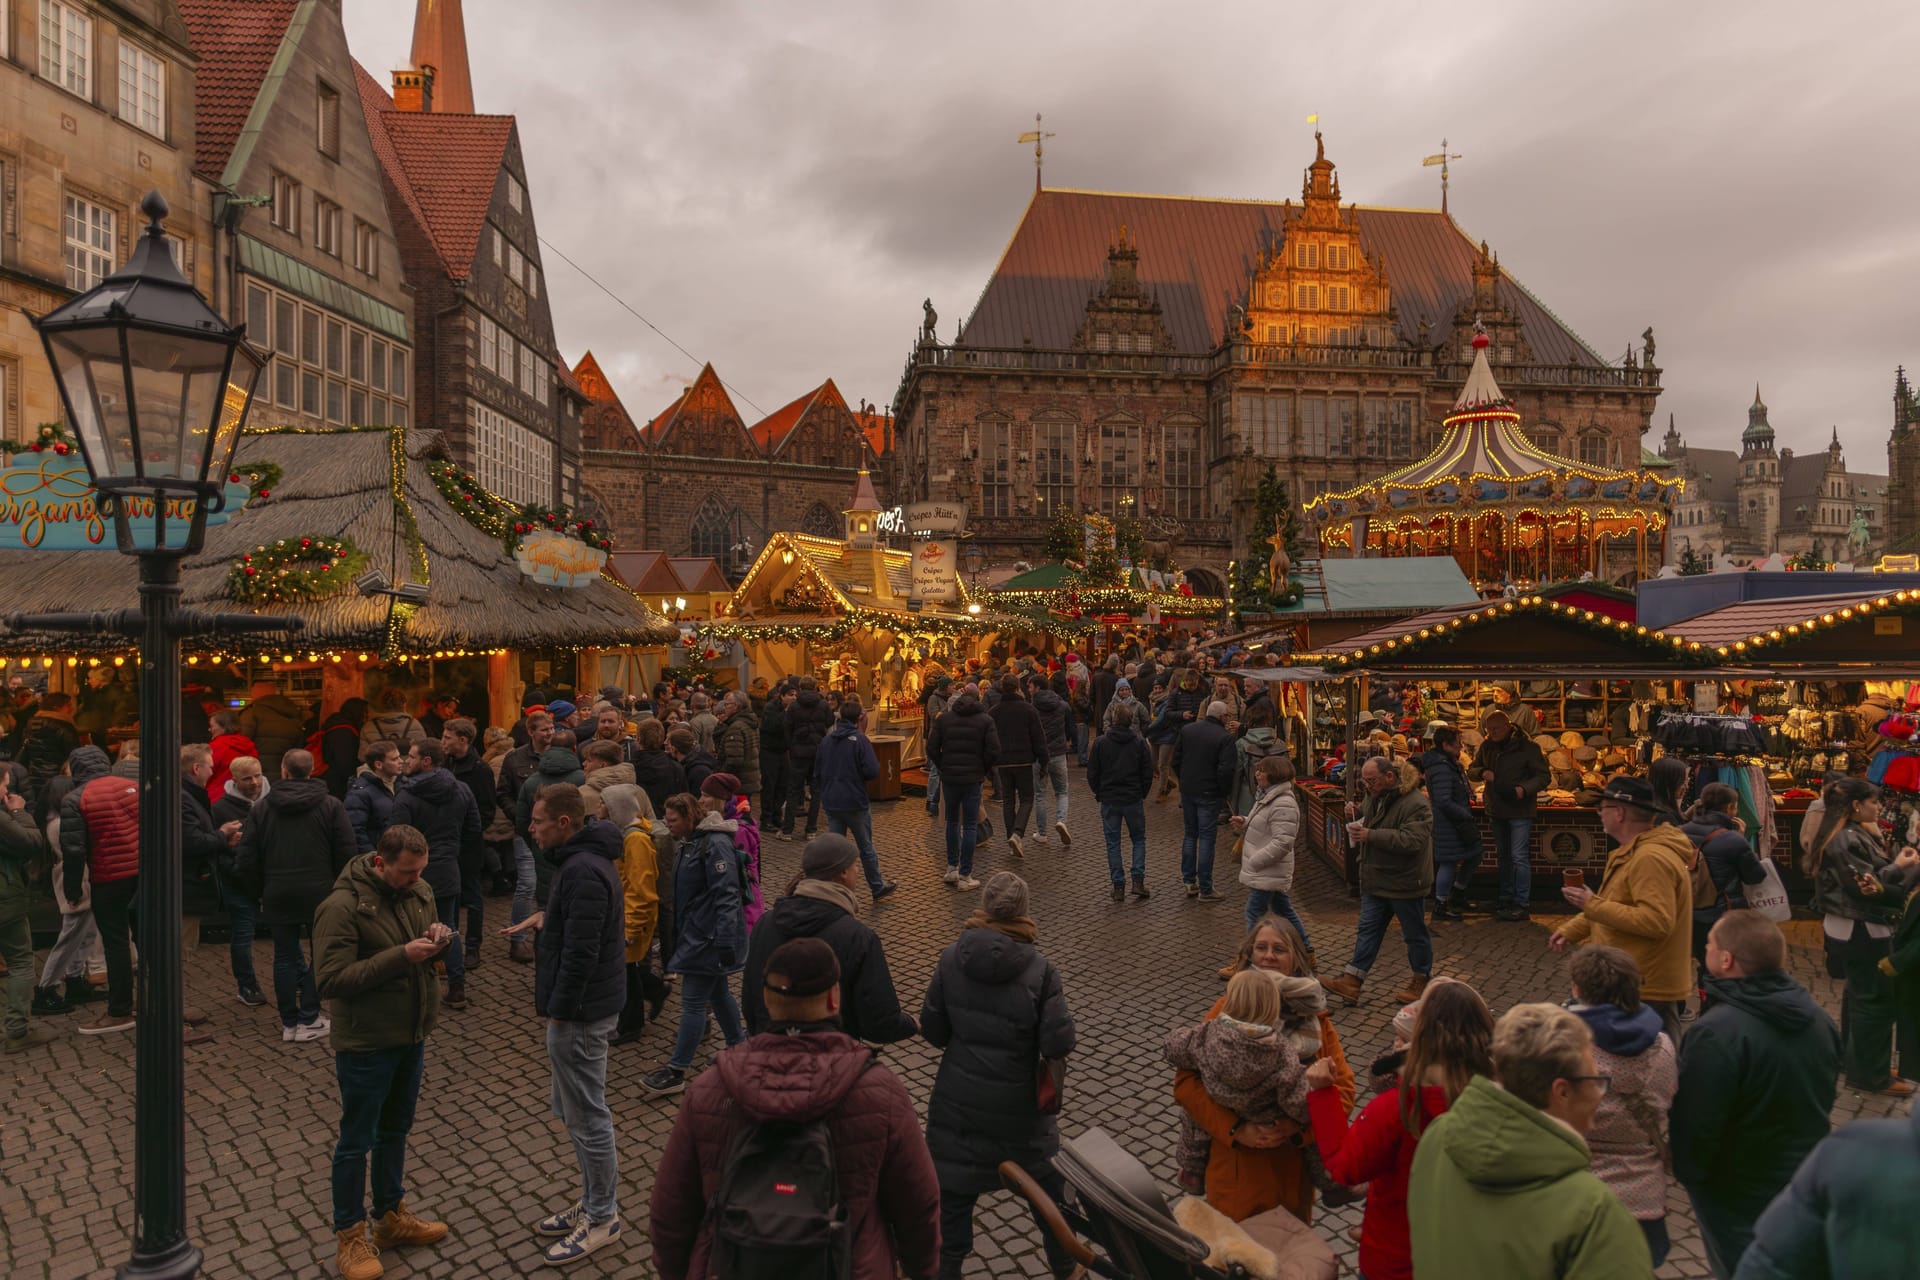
{"type": "Point", "coordinates": [929, 319]}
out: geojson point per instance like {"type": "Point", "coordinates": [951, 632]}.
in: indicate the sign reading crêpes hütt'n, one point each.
{"type": "Point", "coordinates": [556, 560]}
{"type": "Point", "coordinates": [934, 577]}
{"type": "Point", "coordinates": [936, 517]}
{"type": "Point", "coordinates": [47, 504]}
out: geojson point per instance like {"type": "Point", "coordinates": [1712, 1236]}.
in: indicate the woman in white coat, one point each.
{"type": "Point", "coordinates": [1267, 834]}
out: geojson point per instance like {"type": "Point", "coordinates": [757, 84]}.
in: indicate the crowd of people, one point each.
{"type": "Point", "coordinates": [1533, 1141]}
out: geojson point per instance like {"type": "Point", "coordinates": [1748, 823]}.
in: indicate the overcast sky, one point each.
{"type": "Point", "coordinates": [777, 185]}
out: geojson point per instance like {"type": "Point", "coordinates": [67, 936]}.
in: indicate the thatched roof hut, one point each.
{"type": "Point", "coordinates": [370, 485]}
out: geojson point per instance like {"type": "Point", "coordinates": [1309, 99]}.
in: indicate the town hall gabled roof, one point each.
{"type": "Point", "coordinates": [446, 167]}
{"type": "Point", "coordinates": [237, 42]}
{"type": "Point", "coordinates": [1196, 258]}
{"type": "Point", "coordinates": [772, 432]}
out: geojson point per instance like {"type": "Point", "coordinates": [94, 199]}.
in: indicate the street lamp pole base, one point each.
{"type": "Point", "coordinates": [180, 1261]}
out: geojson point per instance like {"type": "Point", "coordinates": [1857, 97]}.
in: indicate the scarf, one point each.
{"type": "Point", "coordinates": [828, 891]}
{"type": "Point", "coordinates": [1020, 928]}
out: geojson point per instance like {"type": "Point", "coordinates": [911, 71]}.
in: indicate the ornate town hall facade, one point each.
{"type": "Point", "coordinates": [1150, 355]}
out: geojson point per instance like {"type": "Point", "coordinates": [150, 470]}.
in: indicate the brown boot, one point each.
{"type": "Point", "coordinates": [357, 1259]}
{"type": "Point", "coordinates": [402, 1227]}
{"type": "Point", "coordinates": [520, 950]}
{"type": "Point", "coordinates": [456, 997]}
{"type": "Point", "coordinates": [1344, 985]}
{"type": "Point", "coordinates": [1416, 986]}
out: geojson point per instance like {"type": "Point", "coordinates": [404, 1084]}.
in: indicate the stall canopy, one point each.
{"type": "Point", "coordinates": [1498, 503]}
{"type": "Point", "coordinates": [369, 493]}
{"type": "Point", "coordinates": [1877, 636]}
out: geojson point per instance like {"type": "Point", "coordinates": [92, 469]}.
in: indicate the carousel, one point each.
{"type": "Point", "coordinates": [1504, 508]}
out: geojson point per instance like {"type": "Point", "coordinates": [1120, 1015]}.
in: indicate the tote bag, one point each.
{"type": "Point", "coordinates": [1769, 897]}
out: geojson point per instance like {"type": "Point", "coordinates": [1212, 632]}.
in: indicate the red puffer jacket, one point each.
{"type": "Point", "coordinates": [110, 807]}
{"type": "Point", "coordinates": [886, 1176]}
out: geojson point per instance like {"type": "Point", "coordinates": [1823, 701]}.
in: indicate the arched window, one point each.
{"type": "Point", "coordinates": [821, 520]}
{"type": "Point", "coordinates": [712, 532]}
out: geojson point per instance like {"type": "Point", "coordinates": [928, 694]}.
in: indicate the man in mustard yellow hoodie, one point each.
{"type": "Point", "coordinates": [1645, 900]}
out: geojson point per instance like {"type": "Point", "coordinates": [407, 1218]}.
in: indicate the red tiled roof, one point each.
{"type": "Point", "coordinates": [656, 429]}
{"type": "Point", "coordinates": [1750, 618]}
{"type": "Point", "coordinates": [453, 165]}
{"type": "Point", "coordinates": [645, 572]}
{"type": "Point", "coordinates": [1196, 256]}
{"type": "Point", "coordinates": [375, 103]}
{"type": "Point", "coordinates": [567, 380]}
{"type": "Point", "coordinates": [236, 41]}
{"type": "Point", "coordinates": [771, 432]}
{"type": "Point", "coordinates": [700, 573]}
{"type": "Point", "coordinates": [877, 427]}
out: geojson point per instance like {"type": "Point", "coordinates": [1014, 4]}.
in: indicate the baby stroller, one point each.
{"type": "Point", "coordinates": [1131, 1234]}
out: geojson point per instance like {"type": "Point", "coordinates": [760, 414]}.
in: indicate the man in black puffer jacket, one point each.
{"type": "Point", "coordinates": [809, 720]}
{"type": "Point", "coordinates": [773, 757]}
{"type": "Point", "coordinates": [823, 905]}
{"type": "Point", "coordinates": [293, 846]}
{"type": "Point", "coordinates": [1456, 831]}
{"type": "Point", "coordinates": [1120, 774]}
{"type": "Point", "coordinates": [440, 807]}
{"type": "Point", "coordinates": [995, 1008]}
{"type": "Point", "coordinates": [580, 986]}
{"type": "Point", "coordinates": [1204, 758]}
{"type": "Point", "coordinates": [1023, 744]}
{"type": "Point", "coordinates": [963, 744]}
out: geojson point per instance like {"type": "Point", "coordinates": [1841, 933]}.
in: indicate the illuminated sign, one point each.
{"type": "Point", "coordinates": [47, 504]}
{"type": "Point", "coordinates": [555, 560]}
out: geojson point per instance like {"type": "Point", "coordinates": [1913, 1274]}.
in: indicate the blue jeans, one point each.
{"type": "Point", "coordinates": [1135, 816]}
{"type": "Point", "coordinates": [1511, 840]}
{"type": "Point", "coordinates": [447, 909]}
{"type": "Point", "coordinates": [578, 1051]}
{"type": "Point", "coordinates": [1374, 914]}
{"type": "Point", "coordinates": [1448, 874]}
{"type": "Point", "coordinates": [378, 1089]}
{"type": "Point", "coordinates": [293, 988]}
{"type": "Point", "coordinates": [1078, 728]}
{"type": "Point", "coordinates": [858, 823]}
{"type": "Point", "coordinates": [963, 825]}
{"type": "Point", "coordinates": [933, 788]}
{"type": "Point", "coordinates": [1202, 823]}
{"type": "Point", "coordinates": [698, 992]}
{"type": "Point", "coordinates": [1054, 770]}
{"type": "Point", "coordinates": [523, 880]}
{"type": "Point", "coordinates": [1261, 901]}
{"type": "Point", "coordinates": [242, 912]}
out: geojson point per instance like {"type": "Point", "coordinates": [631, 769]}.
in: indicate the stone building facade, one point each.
{"type": "Point", "coordinates": [1149, 356]}
{"type": "Point", "coordinates": [303, 244]}
{"type": "Point", "coordinates": [1747, 505]}
{"type": "Point", "coordinates": [96, 110]}
{"type": "Point", "coordinates": [697, 479]}
{"type": "Point", "coordinates": [487, 368]}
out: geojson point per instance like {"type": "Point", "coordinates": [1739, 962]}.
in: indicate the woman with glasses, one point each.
{"type": "Point", "coordinates": [1629, 1134]}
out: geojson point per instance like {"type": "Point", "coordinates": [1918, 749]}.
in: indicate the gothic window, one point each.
{"type": "Point", "coordinates": [996, 468]}
{"type": "Point", "coordinates": [713, 529]}
{"type": "Point", "coordinates": [821, 521]}
{"type": "Point", "coordinates": [1180, 465]}
{"type": "Point", "coordinates": [1119, 464]}
{"type": "Point", "coordinates": [1593, 449]}
{"type": "Point", "coordinates": [1264, 423]}
{"type": "Point", "coordinates": [1053, 446]}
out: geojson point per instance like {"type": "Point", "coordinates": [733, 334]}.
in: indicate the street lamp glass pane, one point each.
{"type": "Point", "coordinates": [87, 362]}
{"type": "Point", "coordinates": [248, 365]}
{"type": "Point", "coordinates": [178, 384]}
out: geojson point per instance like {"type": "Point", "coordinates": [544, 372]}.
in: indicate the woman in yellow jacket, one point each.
{"type": "Point", "coordinates": [640, 862]}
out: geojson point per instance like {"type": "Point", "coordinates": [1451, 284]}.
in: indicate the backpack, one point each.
{"type": "Point", "coordinates": [777, 1214]}
{"type": "Point", "coordinates": [1705, 891]}
{"type": "Point", "coordinates": [315, 741]}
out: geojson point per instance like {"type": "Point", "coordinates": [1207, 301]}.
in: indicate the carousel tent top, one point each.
{"type": "Point", "coordinates": [1485, 461]}
{"type": "Point", "coordinates": [370, 485]}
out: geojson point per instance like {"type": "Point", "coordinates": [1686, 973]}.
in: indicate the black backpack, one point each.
{"type": "Point", "coordinates": [778, 1214]}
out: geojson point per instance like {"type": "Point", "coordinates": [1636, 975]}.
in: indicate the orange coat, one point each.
{"type": "Point", "coordinates": [1243, 1181]}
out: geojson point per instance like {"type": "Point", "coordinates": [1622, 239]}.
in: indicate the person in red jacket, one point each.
{"type": "Point", "coordinates": [1451, 1043]}
{"type": "Point", "coordinates": [100, 839]}
{"type": "Point", "coordinates": [801, 1069]}
{"type": "Point", "coordinates": [228, 745]}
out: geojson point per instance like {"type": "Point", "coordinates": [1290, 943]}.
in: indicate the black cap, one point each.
{"type": "Point", "coordinates": [1636, 792]}
{"type": "Point", "coordinates": [802, 967]}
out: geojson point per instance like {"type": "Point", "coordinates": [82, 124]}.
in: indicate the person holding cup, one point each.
{"type": "Point", "coordinates": [1393, 829]}
{"type": "Point", "coordinates": [1644, 904]}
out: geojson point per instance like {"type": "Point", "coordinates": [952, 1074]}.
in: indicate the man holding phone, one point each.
{"type": "Point", "coordinates": [375, 939]}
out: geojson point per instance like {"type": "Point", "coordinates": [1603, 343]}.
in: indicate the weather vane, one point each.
{"type": "Point", "coordinates": [1038, 138]}
{"type": "Point", "coordinates": [1440, 158]}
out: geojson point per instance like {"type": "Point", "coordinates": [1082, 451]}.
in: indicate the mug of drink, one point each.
{"type": "Point", "coordinates": [1354, 829]}
{"type": "Point", "coordinates": [1573, 878]}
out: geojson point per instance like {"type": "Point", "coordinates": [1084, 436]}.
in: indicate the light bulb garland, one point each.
{"type": "Point", "coordinates": [305, 567]}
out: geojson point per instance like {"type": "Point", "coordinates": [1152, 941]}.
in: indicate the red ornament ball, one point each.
{"type": "Point", "coordinates": [250, 571]}
{"type": "Point", "coordinates": [62, 450]}
{"type": "Point", "coordinates": [306, 542]}
{"type": "Point", "coordinates": [35, 446]}
{"type": "Point", "coordinates": [266, 493]}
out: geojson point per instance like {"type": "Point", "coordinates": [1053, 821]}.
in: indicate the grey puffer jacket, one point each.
{"type": "Point", "coordinates": [996, 1007]}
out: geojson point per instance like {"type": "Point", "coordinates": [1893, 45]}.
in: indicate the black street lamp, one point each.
{"type": "Point", "coordinates": [157, 388]}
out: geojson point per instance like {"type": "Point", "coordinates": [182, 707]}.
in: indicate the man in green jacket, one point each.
{"type": "Point", "coordinates": [23, 855]}
{"type": "Point", "coordinates": [1392, 827]}
{"type": "Point", "coordinates": [375, 939]}
{"type": "Point", "coordinates": [1502, 1184]}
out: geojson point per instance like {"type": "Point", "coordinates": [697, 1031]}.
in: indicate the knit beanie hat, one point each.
{"type": "Point", "coordinates": [1005, 897]}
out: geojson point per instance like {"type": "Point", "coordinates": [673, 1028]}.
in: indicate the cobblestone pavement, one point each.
{"type": "Point", "coordinates": [487, 1157]}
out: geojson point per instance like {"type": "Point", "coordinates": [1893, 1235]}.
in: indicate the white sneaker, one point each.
{"type": "Point", "coordinates": [315, 1030]}
{"type": "Point", "coordinates": [286, 1034]}
{"type": "Point", "coordinates": [952, 876]}
{"type": "Point", "coordinates": [585, 1237]}
{"type": "Point", "coordinates": [967, 884]}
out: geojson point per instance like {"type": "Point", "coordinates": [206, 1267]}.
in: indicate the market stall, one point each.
{"type": "Point", "coordinates": [1064, 603]}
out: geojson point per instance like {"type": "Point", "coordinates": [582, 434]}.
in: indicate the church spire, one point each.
{"type": "Point", "coordinates": [440, 42]}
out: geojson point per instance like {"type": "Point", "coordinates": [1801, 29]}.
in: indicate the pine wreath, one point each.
{"type": "Point", "coordinates": [301, 568]}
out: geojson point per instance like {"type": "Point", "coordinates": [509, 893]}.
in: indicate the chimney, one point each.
{"type": "Point", "coordinates": [413, 90]}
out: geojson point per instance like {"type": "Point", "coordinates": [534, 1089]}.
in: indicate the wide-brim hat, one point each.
{"type": "Point", "coordinates": [1636, 793]}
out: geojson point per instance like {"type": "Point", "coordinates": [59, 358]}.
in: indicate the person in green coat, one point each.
{"type": "Point", "coordinates": [1502, 1184]}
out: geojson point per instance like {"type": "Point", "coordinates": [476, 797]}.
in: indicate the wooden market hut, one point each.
{"type": "Point", "coordinates": [377, 498]}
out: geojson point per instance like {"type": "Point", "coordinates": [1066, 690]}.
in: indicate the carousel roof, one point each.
{"type": "Point", "coordinates": [1485, 457]}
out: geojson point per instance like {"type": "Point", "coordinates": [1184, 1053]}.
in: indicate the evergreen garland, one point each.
{"type": "Point", "coordinates": [301, 568]}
